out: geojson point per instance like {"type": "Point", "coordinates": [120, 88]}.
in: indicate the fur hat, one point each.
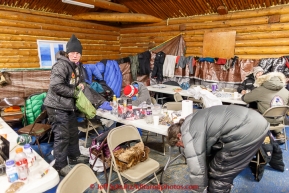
{"type": "Point", "coordinates": [256, 70]}
{"type": "Point", "coordinates": [73, 45]}
{"type": "Point", "coordinates": [268, 76]}
{"type": "Point", "coordinates": [130, 91]}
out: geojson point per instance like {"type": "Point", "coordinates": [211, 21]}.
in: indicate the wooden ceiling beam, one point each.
{"type": "Point", "coordinates": [118, 17]}
{"type": "Point", "coordinates": [106, 5]}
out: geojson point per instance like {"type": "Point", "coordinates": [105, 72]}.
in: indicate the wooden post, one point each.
{"type": "Point", "coordinates": [118, 17]}
{"type": "Point", "coordinates": [53, 20]}
{"type": "Point", "coordinates": [262, 50]}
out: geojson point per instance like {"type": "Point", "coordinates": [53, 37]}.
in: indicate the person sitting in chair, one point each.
{"type": "Point", "coordinates": [270, 92]}
{"type": "Point", "coordinates": [219, 142]}
{"type": "Point", "coordinates": [248, 83]}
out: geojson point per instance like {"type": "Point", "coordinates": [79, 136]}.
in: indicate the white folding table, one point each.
{"type": "Point", "coordinates": [32, 184]}
{"type": "Point", "coordinates": [168, 89]}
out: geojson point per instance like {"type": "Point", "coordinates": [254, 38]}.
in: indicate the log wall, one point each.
{"type": "Point", "coordinates": [20, 29]}
{"type": "Point", "coordinates": [258, 35]}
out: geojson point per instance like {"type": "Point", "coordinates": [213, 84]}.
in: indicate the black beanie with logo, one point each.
{"type": "Point", "coordinates": [73, 45]}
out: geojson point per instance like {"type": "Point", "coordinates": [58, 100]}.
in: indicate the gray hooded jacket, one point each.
{"type": "Point", "coordinates": [143, 94]}
{"type": "Point", "coordinates": [270, 91]}
{"type": "Point", "coordinates": [235, 127]}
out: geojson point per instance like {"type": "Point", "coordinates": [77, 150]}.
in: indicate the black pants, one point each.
{"type": "Point", "coordinates": [226, 165]}
{"type": "Point", "coordinates": [64, 127]}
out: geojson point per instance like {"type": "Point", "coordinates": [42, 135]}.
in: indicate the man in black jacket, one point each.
{"type": "Point", "coordinates": [248, 83]}
{"type": "Point", "coordinates": [219, 142]}
{"type": "Point", "coordinates": [66, 75]}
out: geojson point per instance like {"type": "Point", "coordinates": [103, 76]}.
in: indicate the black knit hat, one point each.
{"type": "Point", "coordinates": [73, 45]}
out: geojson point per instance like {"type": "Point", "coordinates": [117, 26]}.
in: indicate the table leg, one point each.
{"type": "Point", "coordinates": [164, 144]}
{"type": "Point", "coordinates": [157, 96]}
{"type": "Point", "coordinates": [169, 162]}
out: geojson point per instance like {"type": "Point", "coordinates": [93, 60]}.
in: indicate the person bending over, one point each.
{"type": "Point", "coordinates": [219, 142]}
{"type": "Point", "coordinates": [138, 92]}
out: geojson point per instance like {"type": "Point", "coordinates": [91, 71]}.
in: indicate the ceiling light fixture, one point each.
{"type": "Point", "coordinates": [78, 3]}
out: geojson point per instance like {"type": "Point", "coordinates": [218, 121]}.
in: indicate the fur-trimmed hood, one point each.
{"type": "Point", "coordinates": [272, 81]}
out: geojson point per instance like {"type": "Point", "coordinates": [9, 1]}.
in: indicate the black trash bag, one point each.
{"type": "Point", "coordinates": [276, 161]}
{"type": "Point", "coordinates": [265, 152]}
{"type": "Point", "coordinates": [108, 92]}
{"type": "Point", "coordinates": [94, 97]}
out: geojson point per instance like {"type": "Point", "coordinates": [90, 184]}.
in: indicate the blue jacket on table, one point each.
{"type": "Point", "coordinates": [109, 72]}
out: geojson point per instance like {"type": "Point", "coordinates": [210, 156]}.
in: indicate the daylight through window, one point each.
{"type": "Point", "coordinates": [47, 50]}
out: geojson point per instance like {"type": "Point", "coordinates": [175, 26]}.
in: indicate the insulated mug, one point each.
{"type": "Point", "coordinates": [214, 87]}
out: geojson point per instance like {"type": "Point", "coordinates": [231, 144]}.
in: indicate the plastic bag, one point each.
{"type": "Point", "coordinates": [85, 106]}
{"type": "Point", "coordinates": [185, 85]}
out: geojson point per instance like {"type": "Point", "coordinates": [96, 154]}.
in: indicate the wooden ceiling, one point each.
{"type": "Point", "coordinates": [162, 9]}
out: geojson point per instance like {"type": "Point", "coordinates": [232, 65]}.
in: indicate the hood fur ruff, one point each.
{"type": "Point", "coordinates": [267, 77]}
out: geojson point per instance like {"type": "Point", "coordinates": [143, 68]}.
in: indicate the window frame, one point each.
{"type": "Point", "coordinates": [52, 52]}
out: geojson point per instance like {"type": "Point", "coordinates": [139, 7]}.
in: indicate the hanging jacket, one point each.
{"type": "Point", "coordinates": [247, 84]}
{"type": "Point", "coordinates": [207, 59]}
{"type": "Point", "coordinates": [158, 66]}
{"type": "Point", "coordinates": [169, 66]}
{"type": "Point", "coordinates": [273, 64]}
{"type": "Point", "coordinates": [144, 63]}
{"type": "Point", "coordinates": [134, 65]}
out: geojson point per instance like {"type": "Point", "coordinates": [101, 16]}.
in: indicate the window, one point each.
{"type": "Point", "coordinates": [47, 50]}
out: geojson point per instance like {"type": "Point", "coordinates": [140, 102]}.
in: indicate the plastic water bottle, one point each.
{"type": "Point", "coordinates": [114, 99]}
{"type": "Point", "coordinates": [149, 116]}
{"type": "Point", "coordinates": [31, 157]}
{"type": "Point", "coordinates": [144, 107]}
{"type": "Point", "coordinates": [21, 164]}
{"type": "Point", "coordinates": [124, 105]}
{"type": "Point", "coordinates": [120, 108]}
{"type": "Point", "coordinates": [129, 104]}
{"type": "Point", "coordinates": [11, 171]}
{"type": "Point", "coordinates": [114, 105]}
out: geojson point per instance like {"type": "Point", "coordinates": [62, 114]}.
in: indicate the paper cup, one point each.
{"type": "Point", "coordinates": [236, 94]}
{"type": "Point", "coordinates": [156, 120]}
